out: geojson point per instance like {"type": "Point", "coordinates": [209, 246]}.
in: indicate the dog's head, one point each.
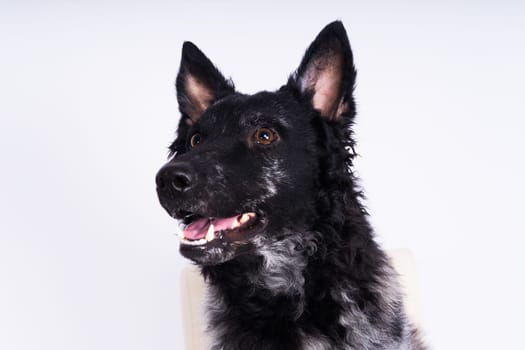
{"type": "Point", "coordinates": [249, 167]}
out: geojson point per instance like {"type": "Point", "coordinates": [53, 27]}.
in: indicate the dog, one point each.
{"type": "Point", "coordinates": [272, 213]}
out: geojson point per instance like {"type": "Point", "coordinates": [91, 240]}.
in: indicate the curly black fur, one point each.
{"type": "Point", "coordinates": [311, 276]}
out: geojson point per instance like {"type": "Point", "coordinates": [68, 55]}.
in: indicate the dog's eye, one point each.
{"type": "Point", "coordinates": [195, 140]}
{"type": "Point", "coordinates": [264, 136]}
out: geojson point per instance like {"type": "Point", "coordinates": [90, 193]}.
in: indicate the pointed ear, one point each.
{"type": "Point", "coordinates": [199, 83]}
{"type": "Point", "coordinates": [326, 74]}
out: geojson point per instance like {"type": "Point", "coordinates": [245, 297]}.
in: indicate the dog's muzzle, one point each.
{"type": "Point", "coordinates": [208, 234]}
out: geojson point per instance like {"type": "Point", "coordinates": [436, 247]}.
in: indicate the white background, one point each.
{"type": "Point", "coordinates": [89, 260]}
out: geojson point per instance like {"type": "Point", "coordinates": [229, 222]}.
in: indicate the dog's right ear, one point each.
{"type": "Point", "coordinates": [199, 83]}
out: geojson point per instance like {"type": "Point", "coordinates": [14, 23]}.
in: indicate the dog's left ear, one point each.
{"type": "Point", "coordinates": [199, 83]}
{"type": "Point", "coordinates": [326, 75]}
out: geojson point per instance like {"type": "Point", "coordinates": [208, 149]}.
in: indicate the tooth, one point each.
{"type": "Point", "coordinates": [194, 243]}
{"type": "Point", "coordinates": [180, 230]}
{"type": "Point", "coordinates": [210, 235]}
{"type": "Point", "coordinates": [235, 223]}
{"type": "Point", "coordinates": [245, 218]}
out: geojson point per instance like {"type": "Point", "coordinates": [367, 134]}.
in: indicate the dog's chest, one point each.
{"type": "Point", "coordinates": [358, 332]}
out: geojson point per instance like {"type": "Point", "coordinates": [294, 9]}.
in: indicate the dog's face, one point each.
{"type": "Point", "coordinates": [248, 167]}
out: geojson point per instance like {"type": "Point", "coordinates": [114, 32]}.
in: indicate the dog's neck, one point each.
{"type": "Point", "coordinates": [259, 294]}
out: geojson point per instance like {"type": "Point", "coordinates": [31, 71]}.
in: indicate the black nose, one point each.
{"type": "Point", "coordinates": [178, 177]}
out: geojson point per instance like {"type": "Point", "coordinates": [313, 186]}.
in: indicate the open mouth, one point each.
{"type": "Point", "coordinates": [198, 230]}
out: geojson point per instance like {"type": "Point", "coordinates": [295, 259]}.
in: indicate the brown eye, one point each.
{"type": "Point", "coordinates": [264, 136]}
{"type": "Point", "coordinates": [195, 140]}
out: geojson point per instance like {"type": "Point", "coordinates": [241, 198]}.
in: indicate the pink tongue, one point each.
{"type": "Point", "coordinates": [198, 229]}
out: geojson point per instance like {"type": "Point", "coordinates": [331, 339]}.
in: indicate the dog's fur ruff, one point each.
{"type": "Point", "coordinates": [309, 274]}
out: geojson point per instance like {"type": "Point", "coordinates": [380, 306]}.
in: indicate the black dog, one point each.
{"type": "Point", "coordinates": [272, 213]}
